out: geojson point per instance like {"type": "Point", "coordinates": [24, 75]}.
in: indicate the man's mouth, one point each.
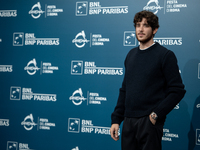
{"type": "Point", "coordinates": [140, 34]}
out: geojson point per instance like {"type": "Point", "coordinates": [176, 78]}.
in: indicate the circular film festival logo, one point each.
{"type": "Point", "coordinates": [151, 7]}
{"type": "Point", "coordinates": [77, 97]}
{"type": "Point", "coordinates": [28, 122]}
{"type": "Point", "coordinates": [36, 11]}
{"type": "Point", "coordinates": [31, 67]}
{"type": "Point", "coordinates": [80, 40]}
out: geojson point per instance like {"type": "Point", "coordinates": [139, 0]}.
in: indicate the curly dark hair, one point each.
{"type": "Point", "coordinates": [152, 19]}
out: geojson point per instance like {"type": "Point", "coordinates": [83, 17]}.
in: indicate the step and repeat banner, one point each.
{"type": "Point", "coordinates": [62, 64]}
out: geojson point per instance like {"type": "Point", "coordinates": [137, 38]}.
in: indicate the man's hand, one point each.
{"type": "Point", "coordinates": [153, 121]}
{"type": "Point", "coordinates": [114, 131]}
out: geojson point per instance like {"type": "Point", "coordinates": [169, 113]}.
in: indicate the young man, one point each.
{"type": "Point", "coordinates": [151, 88]}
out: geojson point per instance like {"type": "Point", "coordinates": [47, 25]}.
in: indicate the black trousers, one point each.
{"type": "Point", "coordinates": [141, 134]}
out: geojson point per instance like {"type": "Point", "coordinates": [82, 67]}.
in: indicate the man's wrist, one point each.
{"type": "Point", "coordinates": [154, 116]}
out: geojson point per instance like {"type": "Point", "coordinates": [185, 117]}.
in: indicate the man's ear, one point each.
{"type": "Point", "coordinates": [155, 30]}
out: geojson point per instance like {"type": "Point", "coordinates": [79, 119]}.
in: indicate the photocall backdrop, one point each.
{"type": "Point", "coordinates": [62, 64]}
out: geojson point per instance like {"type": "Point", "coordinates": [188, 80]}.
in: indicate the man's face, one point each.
{"type": "Point", "coordinates": [144, 32]}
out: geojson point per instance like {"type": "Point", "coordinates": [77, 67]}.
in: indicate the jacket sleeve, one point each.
{"type": "Point", "coordinates": [175, 88]}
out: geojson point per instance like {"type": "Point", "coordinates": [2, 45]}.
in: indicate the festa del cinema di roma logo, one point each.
{"type": "Point", "coordinates": [77, 97]}
{"type": "Point", "coordinates": [42, 123]}
{"type": "Point", "coordinates": [31, 67]}
{"type": "Point", "coordinates": [92, 98]}
{"type": "Point", "coordinates": [50, 10]}
{"type": "Point", "coordinates": [28, 122]}
{"type": "Point", "coordinates": [80, 40]}
{"type": "Point", "coordinates": [153, 5]}
{"type": "Point", "coordinates": [96, 39]}
{"type": "Point", "coordinates": [36, 11]}
{"type": "Point", "coordinates": [46, 67]}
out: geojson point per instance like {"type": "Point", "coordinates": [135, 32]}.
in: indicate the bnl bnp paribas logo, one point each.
{"type": "Point", "coordinates": [50, 10]}
{"type": "Point", "coordinates": [15, 93]}
{"type": "Point", "coordinates": [4, 122]}
{"type": "Point", "coordinates": [13, 145]}
{"type": "Point", "coordinates": [153, 5]}
{"type": "Point", "coordinates": [6, 68]}
{"type": "Point", "coordinates": [8, 13]}
{"type": "Point", "coordinates": [27, 94]}
{"type": "Point", "coordinates": [77, 68]}
{"type": "Point", "coordinates": [76, 125]}
{"type": "Point", "coordinates": [30, 39]}
{"type": "Point", "coordinates": [129, 38]}
{"type": "Point", "coordinates": [95, 8]}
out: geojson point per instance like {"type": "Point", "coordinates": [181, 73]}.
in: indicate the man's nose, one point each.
{"type": "Point", "coordinates": [141, 28]}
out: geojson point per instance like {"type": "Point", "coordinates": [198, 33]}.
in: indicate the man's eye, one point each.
{"type": "Point", "coordinates": [137, 25]}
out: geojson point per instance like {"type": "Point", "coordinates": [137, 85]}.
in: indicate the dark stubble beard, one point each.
{"type": "Point", "coordinates": [145, 40]}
